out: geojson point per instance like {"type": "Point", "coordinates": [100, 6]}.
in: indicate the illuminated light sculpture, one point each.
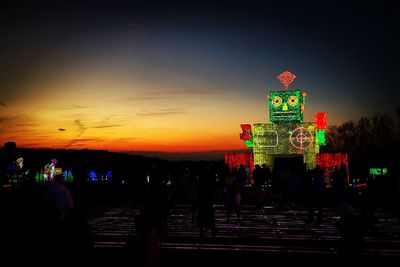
{"type": "Point", "coordinates": [49, 170]}
{"type": "Point", "coordinates": [327, 161]}
{"type": "Point", "coordinates": [234, 160]}
{"type": "Point", "coordinates": [68, 177]}
{"type": "Point", "coordinates": [286, 78]}
{"type": "Point", "coordinates": [92, 176]}
{"type": "Point", "coordinates": [287, 135]}
{"type": "Point", "coordinates": [16, 173]}
{"type": "Point", "coordinates": [19, 163]}
{"type": "Point", "coordinates": [378, 171]}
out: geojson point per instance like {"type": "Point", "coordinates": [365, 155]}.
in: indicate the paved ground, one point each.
{"type": "Point", "coordinates": [268, 234]}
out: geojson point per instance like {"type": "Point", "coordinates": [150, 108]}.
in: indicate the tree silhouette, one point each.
{"type": "Point", "coordinates": [371, 141]}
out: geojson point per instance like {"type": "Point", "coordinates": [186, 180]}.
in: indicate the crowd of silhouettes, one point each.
{"type": "Point", "coordinates": [61, 225]}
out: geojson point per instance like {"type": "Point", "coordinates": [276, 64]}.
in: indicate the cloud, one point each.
{"type": "Point", "coordinates": [162, 112]}
{"type": "Point", "coordinates": [61, 129]}
{"type": "Point", "coordinates": [81, 128]}
{"type": "Point", "coordinates": [161, 94]}
{"type": "Point", "coordinates": [71, 107]}
{"type": "Point", "coordinates": [2, 104]}
{"type": "Point", "coordinates": [19, 120]}
{"type": "Point", "coordinates": [34, 144]}
{"type": "Point", "coordinates": [146, 97]}
{"type": "Point", "coordinates": [26, 124]}
{"type": "Point", "coordinates": [79, 141]}
{"type": "Point", "coordinates": [108, 126]}
{"type": "Point", "coordinates": [86, 139]}
{"type": "Point", "coordinates": [106, 119]}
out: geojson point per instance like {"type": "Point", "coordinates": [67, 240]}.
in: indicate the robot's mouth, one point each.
{"type": "Point", "coordinates": [285, 114]}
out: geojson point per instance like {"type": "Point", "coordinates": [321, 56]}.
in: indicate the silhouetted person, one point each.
{"type": "Point", "coordinates": [58, 205]}
{"type": "Point", "coordinates": [266, 175]}
{"type": "Point", "coordinates": [351, 232]}
{"type": "Point", "coordinates": [293, 184]}
{"type": "Point", "coordinates": [317, 188]}
{"type": "Point", "coordinates": [59, 200]}
{"type": "Point", "coordinates": [258, 176]}
{"type": "Point", "coordinates": [152, 220]}
{"type": "Point", "coordinates": [233, 196]}
{"type": "Point", "coordinates": [259, 184]}
{"type": "Point", "coordinates": [339, 182]}
{"type": "Point", "coordinates": [206, 186]}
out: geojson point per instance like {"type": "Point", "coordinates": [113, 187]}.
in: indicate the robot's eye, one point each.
{"type": "Point", "coordinates": [293, 100]}
{"type": "Point", "coordinates": [277, 101]}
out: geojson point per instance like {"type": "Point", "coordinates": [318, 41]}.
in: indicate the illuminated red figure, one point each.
{"type": "Point", "coordinates": [286, 78]}
{"type": "Point", "coordinates": [246, 134]}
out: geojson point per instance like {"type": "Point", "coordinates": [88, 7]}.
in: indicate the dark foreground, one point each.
{"type": "Point", "coordinates": [267, 236]}
{"type": "Point", "coordinates": [105, 233]}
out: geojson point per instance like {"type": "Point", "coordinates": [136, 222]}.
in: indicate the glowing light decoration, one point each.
{"type": "Point", "coordinates": [92, 176]}
{"type": "Point", "coordinates": [320, 120]}
{"type": "Point", "coordinates": [234, 160]}
{"type": "Point", "coordinates": [68, 177]}
{"type": "Point", "coordinates": [267, 138]}
{"type": "Point", "coordinates": [301, 138]}
{"type": "Point", "coordinates": [321, 137]}
{"type": "Point", "coordinates": [378, 171]}
{"type": "Point", "coordinates": [246, 132]}
{"type": "Point", "coordinates": [249, 143]}
{"type": "Point", "coordinates": [287, 134]}
{"type": "Point", "coordinates": [286, 78]}
{"type": "Point", "coordinates": [327, 161]}
{"type": "Point", "coordinates": [272, 140]}
{"type": "Point", "coordinates": [285, 106]}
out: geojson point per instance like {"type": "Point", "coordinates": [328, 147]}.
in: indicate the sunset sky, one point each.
{"type": "Point", "coordinates": [182, 77]}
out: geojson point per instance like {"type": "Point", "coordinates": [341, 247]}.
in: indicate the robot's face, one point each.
{"type": "Point", "coordinates": [286, 106]}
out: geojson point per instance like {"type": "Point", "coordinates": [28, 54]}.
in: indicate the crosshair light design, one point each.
{"type": "Point", "coordinates": [301, 138]}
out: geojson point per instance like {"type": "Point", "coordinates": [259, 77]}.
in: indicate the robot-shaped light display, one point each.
{"type": "Point", "coordinates": [287, 135]}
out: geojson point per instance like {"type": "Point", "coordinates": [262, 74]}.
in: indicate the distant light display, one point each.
{"type": "Point", "coordinates": [378, 171]}
{"type": "Point", "coordinates": [19, 163]}
{"type": "Point", "coordinates": [15, 172]}
{"type": "Point", "coordinates": [49, 170]}
{"type": "Point", "coordinates": [285, 106]}
{"type": "Point", "coordinates": [92, 175]}
{"type": "Point", "coordinates": [286, 78]}
{"type": "Point", "coordinates": [68, 177]}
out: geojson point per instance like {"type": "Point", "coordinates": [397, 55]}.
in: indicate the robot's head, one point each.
{"type": "Point", "coordinates": [286, 106]}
